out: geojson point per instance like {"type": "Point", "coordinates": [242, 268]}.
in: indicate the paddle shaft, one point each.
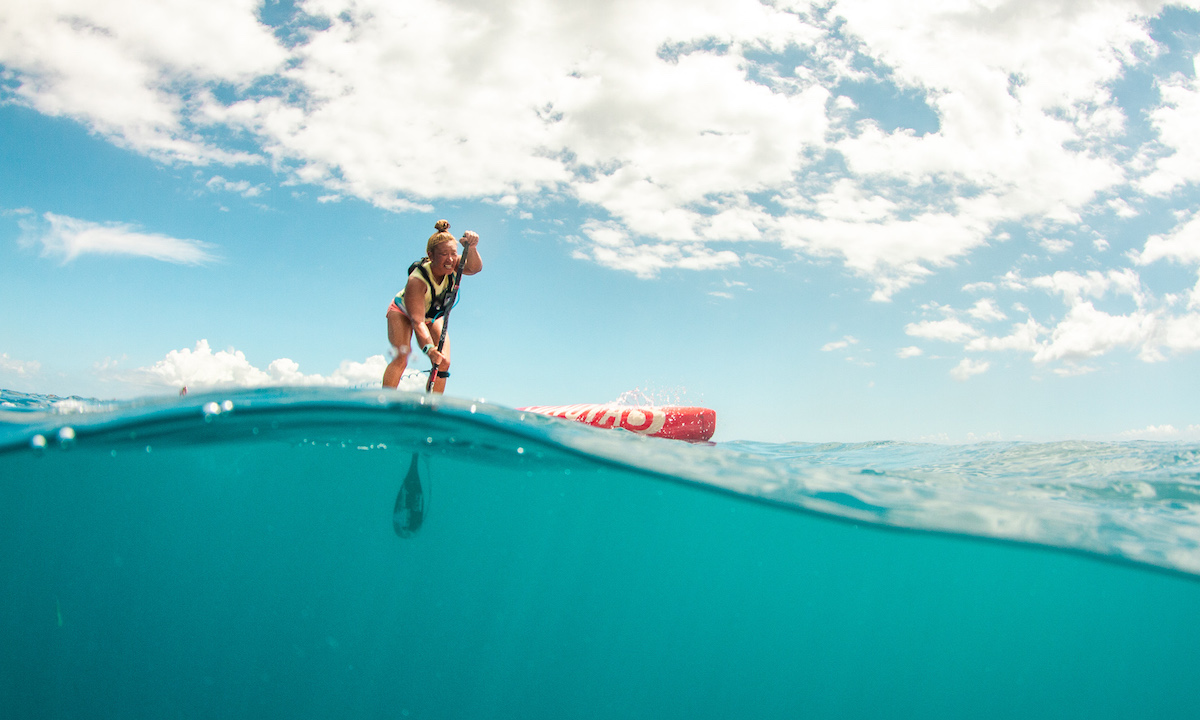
{"type": "Point", "coordinates": [462, 264]}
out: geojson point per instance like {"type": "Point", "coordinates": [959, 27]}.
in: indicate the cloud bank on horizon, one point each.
{"type": "Point", "coordinates": [201, 368]}
{"type": "Point", "coordinates": [693, 134]}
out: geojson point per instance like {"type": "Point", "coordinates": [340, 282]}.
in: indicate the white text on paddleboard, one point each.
{"type": "Point", "coordinates": [645, 421]}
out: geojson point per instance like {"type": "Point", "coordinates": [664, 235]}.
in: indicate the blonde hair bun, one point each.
{"type": "Point", "coordinates": [441, 226]}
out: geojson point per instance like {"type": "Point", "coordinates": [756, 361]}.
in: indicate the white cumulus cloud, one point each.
{"type": "Point", "coordinates": [1153, 328]}
{"type": "Point", "coordinates": [968, 368]}
{"type": "Point", "coordinates": [987, 311]}
{"type": "Point", "coordinates": [1181, 245]}
{"type": "Point", "coordinates": [1074, 287]}
{"type": "Point", "coordinates": [686, 129]}
{"type": "Point", "coordinates": [18, 367]}
{"type": "Point", "coordinates": [1175, 121]}
{"type": "Point", "coordinates": [241, 187]}
{"type": "Point", "coordinates": [845, 342]}
{"type": "Point", "coordinates": [137, 72]}
{"type": "Point", "coordinates": [948, 330]}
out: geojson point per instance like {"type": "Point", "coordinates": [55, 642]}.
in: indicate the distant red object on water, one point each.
{"type": "Point", "coordinates": [693, 424]}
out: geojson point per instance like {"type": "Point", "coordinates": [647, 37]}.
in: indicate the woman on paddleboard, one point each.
{"type": "Point", "coordinates": [421, 306]}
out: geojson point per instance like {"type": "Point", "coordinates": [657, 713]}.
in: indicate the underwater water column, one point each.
{"type": "Point", "coordinates": [251, 576]}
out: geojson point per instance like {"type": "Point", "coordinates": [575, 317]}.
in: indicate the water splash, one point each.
{"type": "Point", "coordinates": [655, 397]}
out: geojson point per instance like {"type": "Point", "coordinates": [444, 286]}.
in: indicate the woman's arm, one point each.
{"type": "Point", "coordinates": [470, 241]}
{"type": "Point", "coordinates": [414, 303]}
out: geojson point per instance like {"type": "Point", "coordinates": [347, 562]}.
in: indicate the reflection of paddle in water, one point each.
{"type": "Point", "coordinates": [410, 503]}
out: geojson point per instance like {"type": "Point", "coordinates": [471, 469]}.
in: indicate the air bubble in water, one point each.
{"type": "Point", "coordinates": [66, 438]}
{"type": "Point", "coordinates": [210, 411]}
{"type": "Point", "coordinates": [38, 443]}
{"type": "Point", "coordinates": [227, 406]}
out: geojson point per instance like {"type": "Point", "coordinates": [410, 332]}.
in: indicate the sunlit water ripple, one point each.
{"type": "Point", "coordinates": [1134, 501]}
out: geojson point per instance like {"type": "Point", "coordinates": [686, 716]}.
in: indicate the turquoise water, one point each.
{"type": "Point", "coordinates": [241, 555]}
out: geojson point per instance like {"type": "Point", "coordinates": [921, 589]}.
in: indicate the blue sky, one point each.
{"type": "Point", "coordinates": [858, 220]}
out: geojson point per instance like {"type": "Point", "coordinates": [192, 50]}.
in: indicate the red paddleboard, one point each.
{"type": "Point", "coordinates": [676, 423]}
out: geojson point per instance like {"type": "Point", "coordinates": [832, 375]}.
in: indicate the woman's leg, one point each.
{"type": "Point", "coordinates": [400, 338]}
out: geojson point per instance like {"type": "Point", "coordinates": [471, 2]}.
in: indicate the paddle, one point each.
{"type": "Point", "coordinates": [451, 297]}
{"type": "Point", "coordinates": [410, 503]}
{"type": "Point", "coordinates": [409, 512]}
